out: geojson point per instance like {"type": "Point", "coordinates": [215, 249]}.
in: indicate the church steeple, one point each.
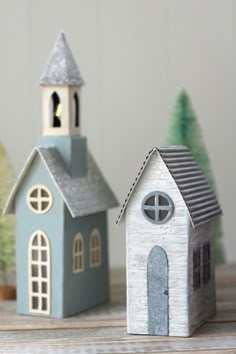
{"type": "Point", "coordinates": [61, 88]}
{"type": "Point", "coordinates": [61, 82]}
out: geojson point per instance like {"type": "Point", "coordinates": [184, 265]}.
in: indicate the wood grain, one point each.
{"type": "Point", "coordinates": [103, 329]}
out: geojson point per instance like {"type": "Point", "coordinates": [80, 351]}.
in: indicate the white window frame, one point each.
{"type": "Point", "coordinates": [95, 249]}
{"type": "Point", "coordinates": [39, 279]}
{"type": "Point", "coordinates": [78, 254]}
{"type": "Point", "coordinates": [39, 199]}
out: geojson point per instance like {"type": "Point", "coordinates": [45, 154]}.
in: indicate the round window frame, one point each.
{"type": "Point", "coordinates": [50, 199]}
{"type": "Point", "coordinates": [171, 205]}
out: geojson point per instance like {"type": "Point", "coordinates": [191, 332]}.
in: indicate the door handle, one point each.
{"type": "Point", "coordinates": [165, 292]}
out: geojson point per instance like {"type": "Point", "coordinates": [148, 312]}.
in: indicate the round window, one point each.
{"type": "Point", "coordinates": [157, 207]}
{"type": "Point", "coordinates": [39, 199]}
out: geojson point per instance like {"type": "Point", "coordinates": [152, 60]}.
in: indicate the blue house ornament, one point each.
{"type": "Point", "coordinates": [61, 200]}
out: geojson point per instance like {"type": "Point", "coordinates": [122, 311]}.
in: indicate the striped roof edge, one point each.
{"type": "Point", "coordinates": [199, 198]}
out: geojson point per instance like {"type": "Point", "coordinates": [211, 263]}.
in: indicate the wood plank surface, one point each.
{"type": "Point", "coordinates": [103, 329]}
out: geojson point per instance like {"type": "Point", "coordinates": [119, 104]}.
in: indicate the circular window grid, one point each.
{"type": "Point", "coordinates": [39, 199]}
{"type": "Point", "coordinates": [157, 207]}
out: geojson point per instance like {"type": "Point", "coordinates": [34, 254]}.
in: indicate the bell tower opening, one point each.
{"type": "Point", "coordinates": [56, 110]}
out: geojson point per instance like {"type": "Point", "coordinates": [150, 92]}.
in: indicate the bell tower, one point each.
{"type": "Point", "coordinates": [61, 84]}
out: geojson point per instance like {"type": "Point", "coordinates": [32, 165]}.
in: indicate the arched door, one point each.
{"type": "Point", "coordinates": [157, 282]}
{"type": "Point", "coordinates": [39, 273]}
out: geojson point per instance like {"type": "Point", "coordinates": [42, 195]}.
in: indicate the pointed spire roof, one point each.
{"type": "Point", "coordinates": [61, 68]}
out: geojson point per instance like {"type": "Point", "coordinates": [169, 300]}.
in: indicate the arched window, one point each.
{"type": "Point", "coordinates": [95, 248]}
{"type": "Point", "coordinates": [78, 254]}
{"type": "Point", "coordinates": [39, 273]}
{"type": "Point", "coordinates": [56, 110]}
{"type": "Point", "coordinates": [76, 109]}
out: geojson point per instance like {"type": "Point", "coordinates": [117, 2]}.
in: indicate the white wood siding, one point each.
{"type": "Point", "coordinates": [142, 236]}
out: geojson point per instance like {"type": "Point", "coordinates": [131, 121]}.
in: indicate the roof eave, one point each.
{"type": "Point", "coordinates": [9, 207]}
{"type": "Point", "coordinates": [126, 202]}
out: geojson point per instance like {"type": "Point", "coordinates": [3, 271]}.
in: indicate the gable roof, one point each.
{"type": "Point", "coordinates": [197, 194]}
{"type": "Point", "coordinates": [82, 195]}
{"type": "Point", "coordinates": [61, 68]}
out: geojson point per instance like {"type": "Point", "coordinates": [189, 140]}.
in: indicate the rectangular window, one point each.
{"type": "Point", "coordinates": [206, 262]}
{"type": "Point", "coordinates": [196, 269]}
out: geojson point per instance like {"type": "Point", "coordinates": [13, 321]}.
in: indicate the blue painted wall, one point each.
{"type": "Point", "coordinates": [70, 293]}
{"type": "Point", "coordinates": [90, 287]}
{"type": "Point", "coordinates": [52, 224]}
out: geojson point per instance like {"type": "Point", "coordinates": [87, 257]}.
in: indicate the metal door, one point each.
{"type": "Point", "coordinates": [157, 282]}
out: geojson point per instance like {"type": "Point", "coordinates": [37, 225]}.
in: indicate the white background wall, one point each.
{"type": "Point", "coordinates": [135, 55]}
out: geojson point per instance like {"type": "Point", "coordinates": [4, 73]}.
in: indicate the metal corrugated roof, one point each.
{"type": "Point", "coordinates": [61, 68]}
{"type": "Point", "coordinates": [197, 194]}
{"type": "Point", "coordinates": [82, 195]}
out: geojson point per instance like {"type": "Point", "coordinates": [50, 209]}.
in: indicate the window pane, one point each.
{"type": "Point", "coordinates": [44, 287]}
{"type": "Point", "coordinates": [35, 287]}
{"type": "Point", "coordinates": [44, 193]}
{"type": "Point", "coordinates": [44, 256]}
{"type": "Point", "coordinates": [196, 269]}
{"type": "Point", "coordinates": [93, 242]}
{"type": "Point", "coordinates": [80, 262]}
{"type": "Point", "coordinates": [98, 256]}
{"type": "Point", "coordinates": [34, 193]}
{"type": "Point", "coordinates": [76, 263]}
{"type": "Point", "coordinates": [35, 241]}
{"type": "Point", "coordinates": [150, 213]}
{"type": "Point", "coordinates": [34, 255]}
{"type": "Point", "coordinates": [93, 256]}
{"type": "Point", "coordinates": [44, 271]}
{"type": "Point", "coordinates": [163, 200]}
{"type": "Point", "coordinates": [150, 201]}
{"type": "Point", "coordinates": [43, 241]}
{"type": "Point", "coordinates": [34, 270]}
{"type": "Point", "coordinates": [96, 241]}
{"type": "Point", "coordinates": [206, 263]}
{"type": "Point", "coordinates": [34, 205]}
{"type": "Point", "coordinates": [80, 246]}
{"type": "Point", "coordinates": [76, 247]}
{"type": "Point", "coordinates": [44, 303]}
{"type": "Point", "coordinates": [44, 205]}
{"type": "Point", "coordinates": [35, 302]}
{"type": "Point", "coordinates": [163, 214]}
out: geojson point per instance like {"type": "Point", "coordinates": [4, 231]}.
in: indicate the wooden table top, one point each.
{"type": "Point", "coordinates": [103, 329]}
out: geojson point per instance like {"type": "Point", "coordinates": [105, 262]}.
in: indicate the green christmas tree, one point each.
{"type": "Point", "coordinates": [185, 130]}
{"type": "Point", "coordinates": [7, 239]}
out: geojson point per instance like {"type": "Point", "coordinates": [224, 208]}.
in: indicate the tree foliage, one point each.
{"type": "Point", "coordinates": [7, 239]}
{"type": "Point", "coordinates": [185, 130]}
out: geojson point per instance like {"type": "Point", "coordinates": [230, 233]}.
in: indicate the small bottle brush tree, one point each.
{"type": "Point", "coordinates": [185, 130]}
{"type": "Point", "coordinates": [7, 240]}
